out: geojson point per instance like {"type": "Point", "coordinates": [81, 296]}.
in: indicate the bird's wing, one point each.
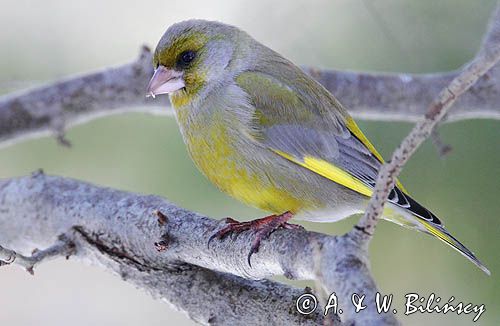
{"type": "Point", "coordinates": [309, 127]}
{"type": "Point", "coordinates": [305, 129]}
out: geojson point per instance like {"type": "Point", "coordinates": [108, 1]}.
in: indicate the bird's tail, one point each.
{"type": "Point", "coordinates": [427, 222]}
{"type": "Point", "coordinates": [443, 235]}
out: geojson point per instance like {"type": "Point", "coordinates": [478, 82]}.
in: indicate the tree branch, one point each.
{"type": "Point", "coordinates": [387, 97]}
{"type": "Point", "coordinates": [117, 231]}
{"type": "Point", "coordinates": [168, 255]}
{"type": "Point", "coordinates": [486, 59]}
{"type": "Point", "coordinates": [62, 247]}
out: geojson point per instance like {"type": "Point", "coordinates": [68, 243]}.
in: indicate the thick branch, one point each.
{"type": "Point", "coordinates": [117, 230]}
{"type": "Point", "coordinates": [401, 97]}
{"type": "Point", "coordinates": [114, 229]}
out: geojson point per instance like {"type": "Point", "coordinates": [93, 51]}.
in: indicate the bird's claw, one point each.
{"type": "Point", "coordinates": [232, 226]}
{"type": "Point", "coordinates": [262, 227]}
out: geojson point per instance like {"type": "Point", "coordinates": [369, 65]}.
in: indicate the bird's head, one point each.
{"type": "Point", "coordinates": [189, 56]}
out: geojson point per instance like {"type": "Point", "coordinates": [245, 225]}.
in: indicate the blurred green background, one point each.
{"type": "Point", "coordinates": [42, 42]}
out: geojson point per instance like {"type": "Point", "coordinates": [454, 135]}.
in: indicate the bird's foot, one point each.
{"type": "Point", "coordinates": [262, 227]}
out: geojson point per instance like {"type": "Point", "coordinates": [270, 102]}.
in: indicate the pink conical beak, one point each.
{"type": "Point", "coordinates": [165, 81]}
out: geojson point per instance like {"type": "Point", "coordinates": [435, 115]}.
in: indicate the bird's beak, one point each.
{"type": "Point", "coordinates": [165, 81]}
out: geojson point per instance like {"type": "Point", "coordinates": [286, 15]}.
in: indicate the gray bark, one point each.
{"type": "Point", "coordinates": [373, 96]}
{"type": "Point", "coordinates": [168, 255]}
{"type": "Point", "coordinates": [118, 231]}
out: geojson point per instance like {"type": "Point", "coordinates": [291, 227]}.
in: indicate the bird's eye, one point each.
{"type": "Point", "coordinates": [187, 57]}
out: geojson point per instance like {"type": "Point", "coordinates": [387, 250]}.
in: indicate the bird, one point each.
{"type": "Point", "coordinates": [266, 133]}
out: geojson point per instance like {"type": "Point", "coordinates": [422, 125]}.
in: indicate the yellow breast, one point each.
{"type": "Point", "coordinates": [213, 152]}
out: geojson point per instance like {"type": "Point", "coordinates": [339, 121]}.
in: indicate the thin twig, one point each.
{"type": "Point", "coordinates": [63, 247]}
{"type": "Point", "coordinates": [487, 57]}
{"type": "Point", "coordinates": [114, 229]}
{"type": "Point", "coordinates": [442, 148]}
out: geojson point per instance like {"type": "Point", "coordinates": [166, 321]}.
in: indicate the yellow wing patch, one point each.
{"type": "Point", "coordinates": [353, 127]}
{"type": "Point", "coordinates": [329, 171]}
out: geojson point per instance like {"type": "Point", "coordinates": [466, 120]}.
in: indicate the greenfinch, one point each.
{"type": "Point", "coordinates": [266, 133]}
